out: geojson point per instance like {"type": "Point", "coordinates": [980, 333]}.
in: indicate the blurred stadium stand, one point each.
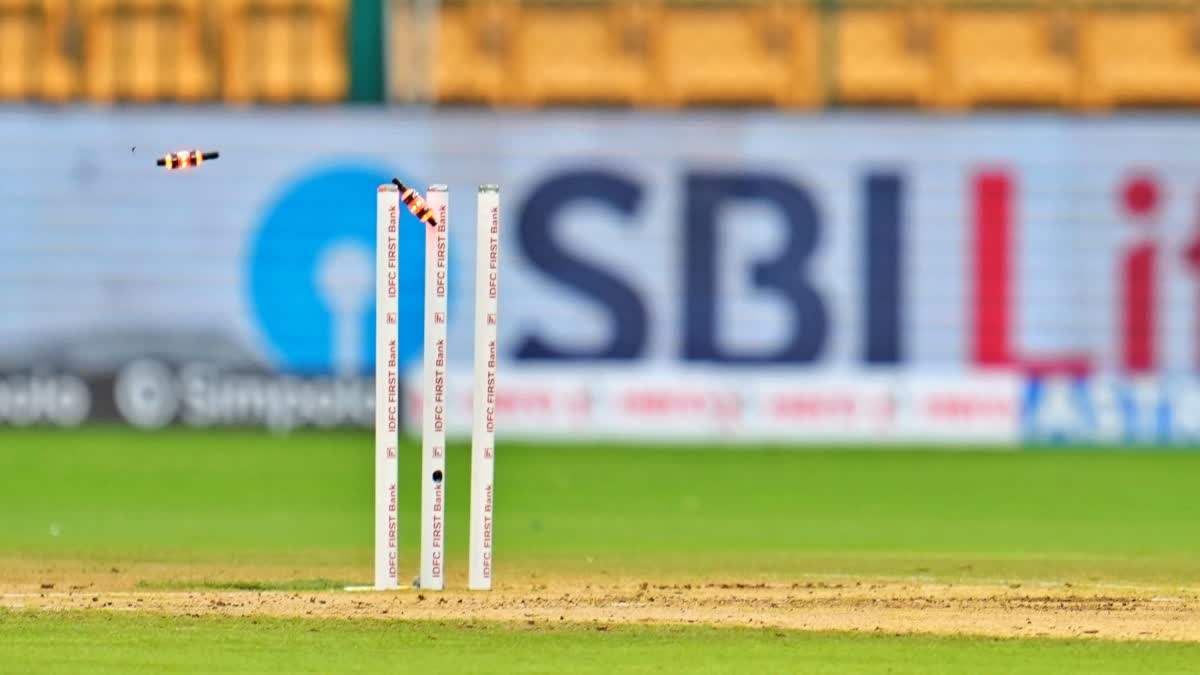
{"type": "Point", "coordinates": [146, 50]}
{"type": "Point", "coordinates": [739, 53]}
{"type": "Point", "coordinates": [885, 54]}
{"type": "Point", "coordinates": [592, 52]}
{"type": "Point", "coordinates": [1140, 57]}
{"type": "Point", "coordinates": [948, 55]}
{"type": "Point", "coordinates": [285, 50]}
{"type": "Point", "coordinates": [33, 60]}
{"type": "Point", "coordinates": [1007, 56]}
{"type": "Point", "coordinates": [471, 51]}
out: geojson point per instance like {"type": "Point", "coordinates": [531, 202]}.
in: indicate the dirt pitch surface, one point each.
{"type": "Point", "coordinates": [893, 606]}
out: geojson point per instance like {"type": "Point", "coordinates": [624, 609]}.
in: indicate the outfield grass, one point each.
{"type": "Point", "coordinates": [122, 643]}
{"type": "Point", "coordinates": [106, 493]}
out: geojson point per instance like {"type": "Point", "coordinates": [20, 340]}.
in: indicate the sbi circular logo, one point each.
{"type": "Point", "coordinates": [311, 280]}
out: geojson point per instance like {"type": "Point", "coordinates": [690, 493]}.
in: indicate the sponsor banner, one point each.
{"type": "Point", "coordinates": [823, 408]}
{"type": "Point", "coordinates": [1111, 409]}
{"type": "Point", "coordinates": [597, 402]}
{"type": "Point", "coordinates": [531, 403]}
{"type": "Point", "coordinates": [984, 407]}
{"type": "Point", "coordinates": [150, 394]}
{"type": "Point", "coordinates": [54, 399]}
{"type": "Point", "coordinates": [833, 242]}
{"type": "Point", "coordinates": [663, 273]}
{"type": "Point", "coordinates": [676, 406]}
{"type": "Point", "coordinates": [714, 405]}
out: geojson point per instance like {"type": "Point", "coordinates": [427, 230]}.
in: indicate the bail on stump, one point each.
{"type": "Point", "coordinates": [416, 204]}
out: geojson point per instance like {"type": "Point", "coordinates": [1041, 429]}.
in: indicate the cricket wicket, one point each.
{"type": "Point", "coordinates": [483, 408]}
{"type": "Point", "coordinates": [387, 386]}
{"type": "Point", "coordinates": [434, 212]}
{"type": "Point", "coordinates": [433, 397]}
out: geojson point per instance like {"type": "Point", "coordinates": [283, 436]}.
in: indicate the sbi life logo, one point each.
{"type": "Point", "coordinates": [311, 282]}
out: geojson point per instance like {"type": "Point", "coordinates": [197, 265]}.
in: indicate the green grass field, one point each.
{"type": "Point", "coordinates": [304, 501]}
{"type": "Point", "coordinates": [679, 512]}
{"type": "Point", "coordinates": [116, 643]}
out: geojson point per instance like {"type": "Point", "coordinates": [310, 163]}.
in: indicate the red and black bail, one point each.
{"type": "Point", "coordinates": [416, 204]}
{"type": "Point", "coordinates": [186, 158]}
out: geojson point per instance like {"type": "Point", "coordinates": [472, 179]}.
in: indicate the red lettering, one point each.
{"type": "Point", "coordinates": [1191, 255]}
{"type": "Point", "coordinates": [958, 407]}
{"type": "Point", "coordinates": [813, 406]}
{"type": "Point", "coordinates": [1139, 196]}
{"type": "Point", "coordinates": [680, 403]}
{"type": "Point", "coordinates": [992, 321]}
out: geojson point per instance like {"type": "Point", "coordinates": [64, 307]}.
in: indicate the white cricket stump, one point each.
{"type": "Point", "coordinates": [433, 420]}
{"type": "Point", "coordinates": [483, 409]}
{"type": "Point", "coordinates": [387, 402]}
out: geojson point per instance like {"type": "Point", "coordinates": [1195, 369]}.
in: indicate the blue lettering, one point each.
{"type": "Point", "coordinates": [883, 242]}
{"type": "Point", "coordinates": [536, 236]}
{"type": "Point", "coordinates": [785, 274]}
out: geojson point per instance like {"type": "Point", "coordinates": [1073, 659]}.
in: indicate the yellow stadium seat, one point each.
{"type": "Point", "coordinates": [885, 55]}
{"type": "Point", "coordinates": [473, 52]}
{"type": "Point", "coordinates": [410, 49]}
{"type": "Point", "coordinates": [145, 50]}
{"type": "Point", "coordinates": [1007, 56]}
{"type": "Point", "coordinates": [33, 62]}
{"type": "Point", "coordinates": [741, 53]}
{"type": "Point", "coordinates": [1141, 57]}
{"type": "Point", "coordinates": [583, 53]}
{"type": "Point", "coordinates": [281, 51]}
